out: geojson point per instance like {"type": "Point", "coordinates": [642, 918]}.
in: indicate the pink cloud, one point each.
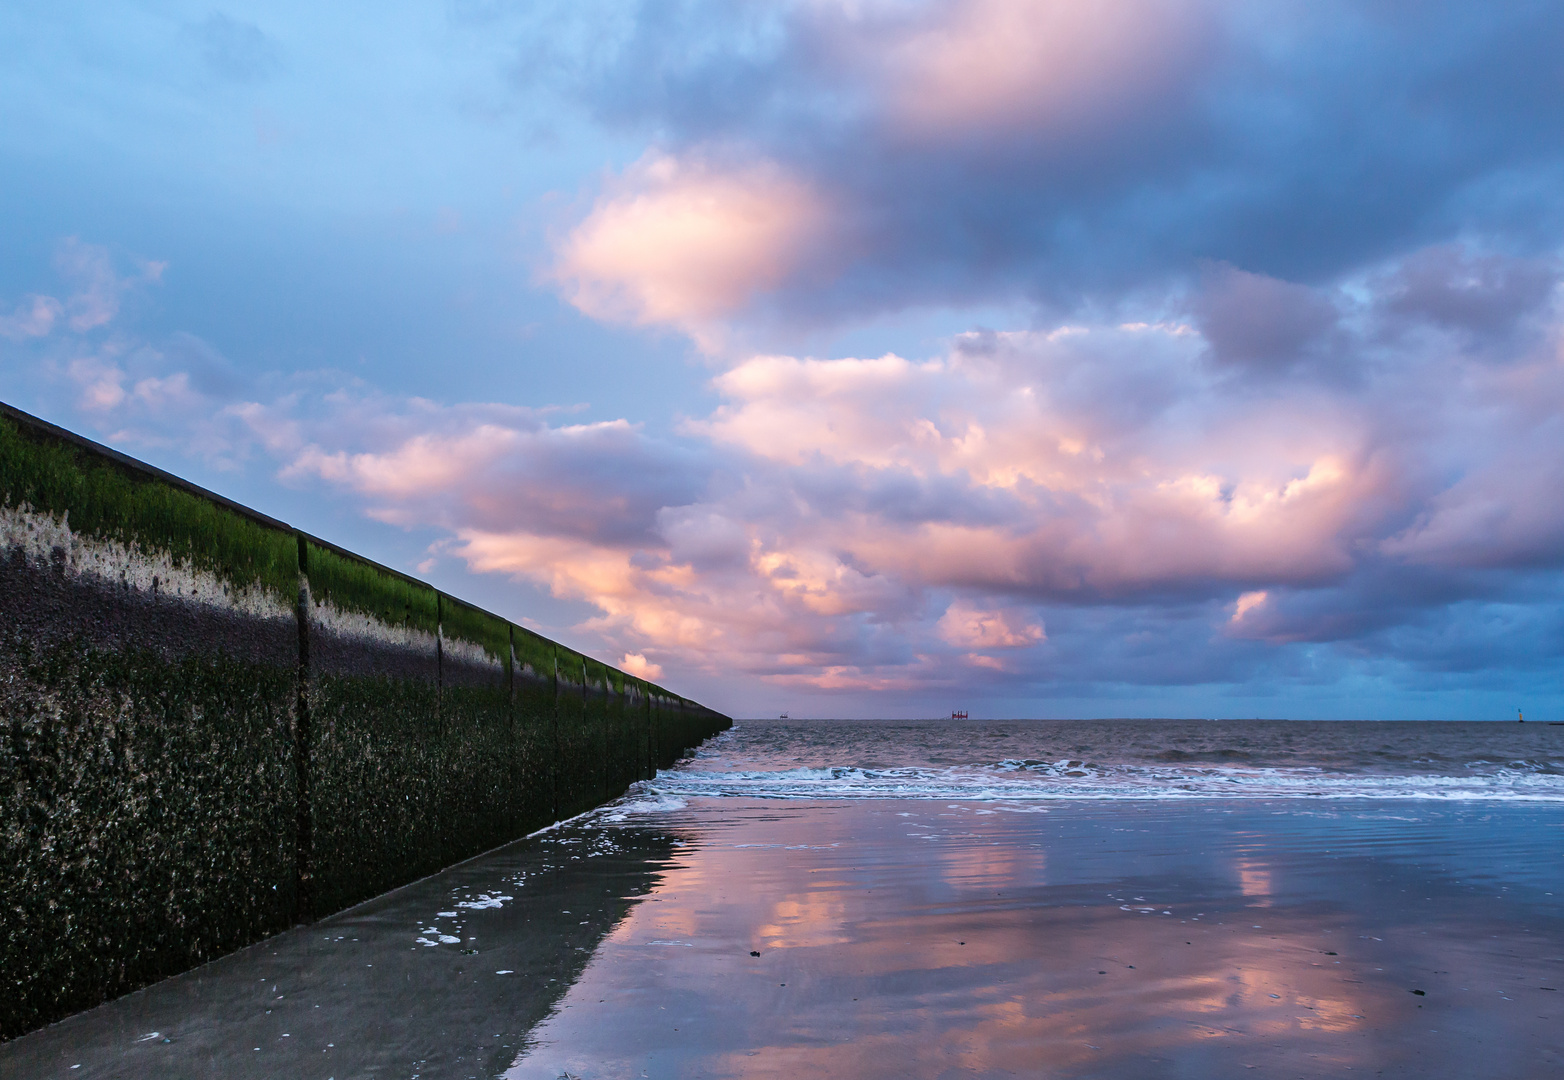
{"type": "Point", "coordinates": [863, 411]}
{"type": "Point", "coordinates": [33, 317]}
{"type": "Point", "coordinates": [100, 383]}
{"type": "Point", "coordinates": [1264, 491]}
{"type": "Point", "coordinates": [1248, 602]}
{"type": "Point", "coordinates": [94, 299]}
{"type": "Point", "coordinates": [998, 64]}
{"type": "Point", "coordinates": [99, 288]}
{"type": "Point", "coordinates": [420, 466]}
{"type": "Point", "coordinates": [683, 243]}
{"type": "Point", "coordinates": [637, 664]}
{"type": "Point", "coordinates": [967, 625]}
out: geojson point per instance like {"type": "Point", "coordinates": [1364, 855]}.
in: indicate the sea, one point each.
{"type": "Point", "coordinates": [1022, 762]}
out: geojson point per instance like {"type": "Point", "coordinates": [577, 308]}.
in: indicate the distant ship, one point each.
{"type": "Point", "coordinates": [959, 715]}
{"type": "Point", "coordinates": [782, 717]}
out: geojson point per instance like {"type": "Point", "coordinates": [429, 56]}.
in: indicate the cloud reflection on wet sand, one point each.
{"type": "Point", "coordinates": [1091, 942]}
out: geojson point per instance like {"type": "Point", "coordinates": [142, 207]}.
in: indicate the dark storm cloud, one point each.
{"type": "Point", "coordinates": [1487, 296]}
{"type": "Point", "coordinates": [1292, 140]}
{"type": "Point", "coordinates": [1260, 323]}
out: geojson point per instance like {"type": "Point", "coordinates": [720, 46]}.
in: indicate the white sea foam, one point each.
{"type": "Point", "coordinates": [1022, 784]}
{"type": "Point", "coordinates": [639, 800]}
{"type": "Point", "coordinates": [485, 901]}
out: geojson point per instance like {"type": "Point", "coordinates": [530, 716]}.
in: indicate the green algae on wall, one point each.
{"type": "Point", "coordinates": [350, 584]}
{"type": "Point", "coordinates": [461, 622]}
{"type": "Point", "coordinates": [103, 498]}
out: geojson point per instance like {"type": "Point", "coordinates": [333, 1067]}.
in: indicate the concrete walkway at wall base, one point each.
{"type": "Point", "coordinates": [441, 978]}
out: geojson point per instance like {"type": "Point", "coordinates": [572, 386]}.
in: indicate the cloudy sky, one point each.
{"type": "Point", "coordinates": [845, 357]}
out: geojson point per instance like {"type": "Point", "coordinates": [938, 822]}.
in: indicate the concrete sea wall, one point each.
{"type": "Point", "coordinates": [213, 726]}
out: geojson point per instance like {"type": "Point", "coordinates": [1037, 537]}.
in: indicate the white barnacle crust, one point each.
{"type": "Point", "coordinates": [39, 535]}
{"type": "Point", "coordinates": [354, 625]}
{"type": "Point", "coordinates": [469, 652]}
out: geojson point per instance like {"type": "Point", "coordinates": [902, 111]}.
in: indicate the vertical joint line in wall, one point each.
{"type": "Point", "coordinates": [304, 838]}
{"type": "Point", "coordinates": [599, 743]}
{"type": "Point", "coordinates": [510, 671]}
{"type": "Point", "coordinates": [515, 731]}
{"type": "Point", "coordinates": [441, 776]}
{"type": "Point", "coordinates": [553, 769]}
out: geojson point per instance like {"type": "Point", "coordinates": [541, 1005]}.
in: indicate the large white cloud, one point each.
{"type": "Point", "coordinates": [1085, 503]}
{"type": "Point", "coordinates": [889, 523]}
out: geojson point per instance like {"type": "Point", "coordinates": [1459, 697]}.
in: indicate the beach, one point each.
{"type": "Point", "coordinates": [1012, 931]}
{"type": "Point", "coordinates": [900, 939]}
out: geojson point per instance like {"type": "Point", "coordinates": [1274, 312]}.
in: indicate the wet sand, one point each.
{"type": "Point", "coordinates": [907, 939]}
{"type": "Point", "coordinates": [910, 939]}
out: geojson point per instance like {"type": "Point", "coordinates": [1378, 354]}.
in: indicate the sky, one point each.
{"type": "Point", "coordinates": [845, 357]}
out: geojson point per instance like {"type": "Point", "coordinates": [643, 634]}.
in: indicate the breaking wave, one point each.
{"type": "Point", "coordinates": [1030, 781]}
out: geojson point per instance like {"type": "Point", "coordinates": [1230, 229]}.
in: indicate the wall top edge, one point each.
{"type": "Point", "coordinates": [338, 549]}
{"type": "Point", "coordinates": [12, 413]}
